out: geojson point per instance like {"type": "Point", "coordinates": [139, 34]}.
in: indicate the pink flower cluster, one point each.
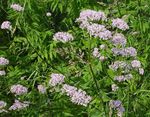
{"type": "Point", "coordinates": [119, 23]}
{"type": "Point", "coordinates": [100, 31]}
{"type": "Point", "coordinates": [77, 96]}
{"type": "Point", "coordinates": [18, 89]}
{"type": "Point", "coordinates": [136, 64]}
{"type": "Point", "coordinates": [6, 25]}
{"type": "Point", "coordinates": [4, 61]}
{"type": "Point", "coordinates": [85, 19]}
{"type": "Point", "coordinates": [119, 39]}
{"type": "Point", "coordinates": [56, 79]}
{"type": "Point", "coordinates": [123, 77]}
{"type": "Point", "coordinates": [119, 64]}
{"type": "Point", "coordinates": [117, 105]}
{"type": "Point", "coordinates": [63, 37]}
{"type": "Point", "coordinates": [97, 54]}
{"type": "Point", "coordinates": [17, 105]}
{"type": "Point", "coordinates": [129, 51]}
{"type": "Point", "coordinates": [17, 7]}
{"type": "Point", "coordinates": [91, 15]}
{"type": "Point", "coordinates": [41, 88]}
{"type": "Point", "coordinates": [2, 106]}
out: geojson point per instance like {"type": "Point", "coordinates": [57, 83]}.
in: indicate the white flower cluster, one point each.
{"type": "Point", "coordinates": [56, 79]}
{"type": "Point", "coordinates": [17, 105]}
{"type": "Point", "coordinates": [17, 7]}
{"type": "Point", "coordinates": [63, 37]}
{"type": "Point", "coordinates": [18, 89]}
{"type": "Point", "coordinates": [120, 23]}
{"type": "Point", "coordinates": [77, 96]}
{"type": "Point", "coordinates": [48, 14]}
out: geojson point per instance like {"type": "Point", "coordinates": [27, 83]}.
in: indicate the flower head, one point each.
{"type": "Point", "coordinates": [2, 104]}
{"type": "Point", "coordinates": [63, 37]}
{"type": "Point", "coordinates": [48, 14]}
{"type": "Point", "coordinates": [91, 15]}
{"type": "Point", "coordinates": [41, 88]}
{"type": "Point", "coordinates": [77, 96]}
{"type": "Point", "coordinates": [6, 25]}
{"type": "Point", "coordinates": [136, 64]}
{"type": "Point", "coordinates": [56, 79]}
{"type": "Point", "coordinates": [96, 53]}
{"type": "Point", "coordinates": [119, 39]}
{"type": "Point", "coordinates": [114, 87]}
{"type": "Point", "coordinates": [17, 7]}
{"type": "Point", "coordinates": [4, 61]}
{"type": "Point", "coordinates": [100, 31]}
{"type": "Point", "coordinates": [2, 73]}
{"type": "Point", "coordinates": [18, 89]}
{"type": "Point", "coordinates": [119, 23]}
{"type": "Point", "coordinates": [141, 71]}
{"type": "Point", "coordinates": [17, 105]}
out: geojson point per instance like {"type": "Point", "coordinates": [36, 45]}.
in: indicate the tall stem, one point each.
{"type": "Point", "coordinates": [93, 76]}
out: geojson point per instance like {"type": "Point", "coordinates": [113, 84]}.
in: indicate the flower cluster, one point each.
{"type": "Point", "coordinates": [85, 19]}
{"type": "Point", "coordinates": [114, 87]}
{"type": "Point", "coordinates": [117, 105]}
{"type": "Point", "coordinates": [2, 73]}
{"type": "Point", "coordinates": [63, 36]}
{"type": "Point", "coordinates": [6, 25]}
{"type": "Point", "coordinates": [119, 39]}
{"type": "Point", "coordinates": [2, 106]}
{"type": "Point", "coordinates": [18, 89]}
{"type": "Point", "coordinates": [56, 79]}
{"type": "Point", "coordinates": [119, 65]}
{"type": "Point", "coordinates": [41, 88]}
{"type": "Point", "coordinates": [77, 96]}
{"type": "Point", "coordinates": [129, 51]}
{"type": "Point", "coordinates": [48, 14]}
{"type": "Point", "coordinates": [136, 64]}
{"type": "Point", "coordinates": [97, 54]}
{"type": "Point", "coordinates": [100, 31]}
{"type": "Point", "coordinates": [17, 7]}
{"type": "Point", "coordinates": [4, 61]}
{"type": "Point", "coordinates": [123, 77]}
{"type": "Point", "coordinates": [17, 105]}
{"type": "Point", "coordinates": [119, 23]}
{"type": "Point", "coordinates": [91, 15]}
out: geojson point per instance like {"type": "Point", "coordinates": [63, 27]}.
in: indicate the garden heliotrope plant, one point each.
{"type": "Point", "coordinates": [90, 65]}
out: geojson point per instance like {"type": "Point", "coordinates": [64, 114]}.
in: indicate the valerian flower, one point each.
{"type": "Point", "coordinates": [56, 79]}
{"type": "Point", "coordinates": [17, 7]}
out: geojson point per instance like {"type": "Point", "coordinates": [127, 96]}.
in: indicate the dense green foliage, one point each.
{"type": "Point", "coordinates": [34, 55]}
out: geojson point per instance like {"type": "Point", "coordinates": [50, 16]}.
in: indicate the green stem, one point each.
{"type": "Point", "coordinates": [94, 77]}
